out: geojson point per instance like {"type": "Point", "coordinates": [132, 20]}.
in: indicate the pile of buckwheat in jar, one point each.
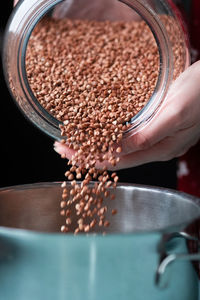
{"type": "Point", "coordinates": [93, 77]}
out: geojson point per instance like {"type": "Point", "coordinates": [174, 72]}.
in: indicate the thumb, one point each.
{"type": "Point", "coordinates": [15, 2]}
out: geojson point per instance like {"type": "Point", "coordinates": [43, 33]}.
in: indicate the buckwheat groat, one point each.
{"type": "Point", "coordinates": [93, 77]}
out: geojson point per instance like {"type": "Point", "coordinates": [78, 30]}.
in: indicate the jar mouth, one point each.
{"type": "Point", "coordinates": [47, 122]}
{"type": "Point", "coordinates": [164, 75]}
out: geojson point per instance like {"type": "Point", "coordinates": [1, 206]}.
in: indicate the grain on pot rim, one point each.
{"type": "Point", "coordinates": [93, 77]}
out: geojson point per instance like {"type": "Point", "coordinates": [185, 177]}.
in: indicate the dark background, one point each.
{"type": "Point", "coordinates": [27, 155]}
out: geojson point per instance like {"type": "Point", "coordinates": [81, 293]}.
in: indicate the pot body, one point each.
{"type": "Point", "coordinates": [120, 265]}
{"type": "Point", "coordinates": [66, 267]}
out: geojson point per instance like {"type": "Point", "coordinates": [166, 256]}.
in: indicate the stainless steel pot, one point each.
{"type": "Point", "coordinates": [143, 256]}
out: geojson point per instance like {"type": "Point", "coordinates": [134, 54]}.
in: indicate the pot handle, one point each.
{"type": "Point", "coordinates": [167, 259]}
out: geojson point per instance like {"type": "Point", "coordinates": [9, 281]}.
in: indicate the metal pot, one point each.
{"type": "Point", "coordinates": [143, 255]}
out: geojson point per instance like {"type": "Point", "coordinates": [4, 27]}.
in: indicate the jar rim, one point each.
{"type": "Point", "coordinates": [47, 122]}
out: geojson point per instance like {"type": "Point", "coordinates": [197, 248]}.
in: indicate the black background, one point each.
{"type": "Point", "coordinates": [27, 155]}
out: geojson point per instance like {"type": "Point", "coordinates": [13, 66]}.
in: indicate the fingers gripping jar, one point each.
{"type": "Point", "coordinates": [159, 16]}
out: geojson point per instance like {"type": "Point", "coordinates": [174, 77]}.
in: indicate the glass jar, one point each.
{"type": "Point", "coordinates": [160, 16]}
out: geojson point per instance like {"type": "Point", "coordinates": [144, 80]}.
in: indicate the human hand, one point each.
{"type": "Point", "coordinates": [171, 133]}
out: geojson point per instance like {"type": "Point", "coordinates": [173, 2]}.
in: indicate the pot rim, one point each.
{"type": "Point", "coordinates": [172, 228]}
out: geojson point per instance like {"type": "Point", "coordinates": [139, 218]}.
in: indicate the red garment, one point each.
{"type": "Point", "coordinates": [189, 171]}
{"type": "Point", "coordinates": [189, 164]}
{"type": "Point", "coordinates": [195, 27]}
